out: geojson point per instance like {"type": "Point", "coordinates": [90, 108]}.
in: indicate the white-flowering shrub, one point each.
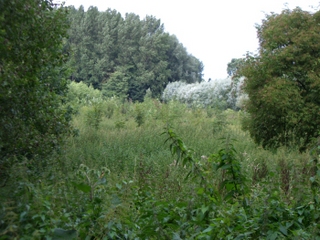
{"type": "Point", "coordinates": [217, 93]}
{"type": "Point", "coordinates": [221, 93]}
{"type": "Point", "coordinates": [241, 100]}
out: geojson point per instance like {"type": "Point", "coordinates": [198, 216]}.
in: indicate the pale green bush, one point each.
{"type": "Point", "coordinates": [80, 94]}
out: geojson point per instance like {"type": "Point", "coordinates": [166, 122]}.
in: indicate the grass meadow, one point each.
{"type": "Point", "coordinates": [162, 171]}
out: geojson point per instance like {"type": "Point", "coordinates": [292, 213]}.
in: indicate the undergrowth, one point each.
{"type": "Point", "coordinates": [162, 171]}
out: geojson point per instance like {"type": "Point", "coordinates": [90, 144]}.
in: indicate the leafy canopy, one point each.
{"type": "Point", "coordinates": [283, 80]}
{"type": "Point", "coordinates": [125, 56]}
{"type": "Point", "coordinates": [32, 82]}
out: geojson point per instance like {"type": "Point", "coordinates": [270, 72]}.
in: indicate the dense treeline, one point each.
{"type": "Point", "coordinates": [126, 56]}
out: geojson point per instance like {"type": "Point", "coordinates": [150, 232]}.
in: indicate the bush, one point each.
{"type": "Point", "coordinates": [217, 94]}
{"type": "Point", "coordinates": [80, 94]}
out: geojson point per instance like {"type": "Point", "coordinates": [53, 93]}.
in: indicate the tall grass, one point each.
{"type": "Point", "coordinates": [118, 179]}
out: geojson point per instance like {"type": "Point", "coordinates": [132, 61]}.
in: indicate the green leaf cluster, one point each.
{"type": "Point", "coordinates": [80, 94]}
{"type": "Point", "coordinates": [283, 80]}
{"type": "Point", "coordinates": [32, 77]}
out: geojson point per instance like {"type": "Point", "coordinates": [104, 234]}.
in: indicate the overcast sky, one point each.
{"type": "Point", "coordinates": [211, 30]}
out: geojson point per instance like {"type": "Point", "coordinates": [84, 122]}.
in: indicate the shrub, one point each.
{"type": "Point", "coordinates": [216, 94]}
{"type": "Point", "coordinates": [80, 94]}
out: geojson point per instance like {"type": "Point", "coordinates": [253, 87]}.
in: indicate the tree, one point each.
{"type": "Point", "coordinates": [183, 66]}
{"type": "Point", "coordinates": [283, 80]}
{"type": "Point", "coordinates": [110, 46]}
{"type": "Point", "coordinates": [233, 66]}
{"type": "Point", "coordinates": [148, 57]}
{"type": "Point", "coordinates": [32, 84]}
{"type": "Point", "coordinates": [236, 95]}
{"type": "Point", "coordinates": [117, 85]}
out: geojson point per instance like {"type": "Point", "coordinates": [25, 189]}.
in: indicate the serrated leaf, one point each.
{"type": "Point", "coordinates": [204, 209]}
{"type": "Point", "coordinates": [272, 236]}
{"type": "Point", "coordinates": [283, 230]}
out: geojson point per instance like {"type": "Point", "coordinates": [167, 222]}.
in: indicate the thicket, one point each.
{"type": "Point", "coordinates": [163, 171]}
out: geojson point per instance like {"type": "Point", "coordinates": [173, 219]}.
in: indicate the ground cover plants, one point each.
{"type": "Point", "coordinates": [157, 170]}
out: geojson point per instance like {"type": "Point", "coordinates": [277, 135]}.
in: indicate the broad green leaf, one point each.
{"type": "Point", "coordinates": [82, 187]}
{"type": "Point", "coordinates": [61, 234]}
{"type": "Point", "coordinates": [283, 230]}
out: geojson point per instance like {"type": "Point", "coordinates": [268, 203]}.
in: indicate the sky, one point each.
{"type": "Point", "coordinates": [214, 31]}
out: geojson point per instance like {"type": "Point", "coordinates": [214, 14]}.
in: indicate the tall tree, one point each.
{"type": "Point", "coordinates": [90, 47]}
{"type": "Point", "coordinates": [183, 66]}
{"type": "Point", "coordinates": [112, 22]}
{"type": "Point", "coordinates": [140, 50]}
{"type": "Point", "coordinates": [32, 83]}
{"type": "Point", "coordinates": [283, 80]}
{"type": "Point", "coordinates": [117, 84]}
{"type": "Point", "coordinates": [152, 69]}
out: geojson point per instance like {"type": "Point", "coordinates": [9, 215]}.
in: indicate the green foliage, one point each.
{"type": "Point", "coordinates": [80, 94]}
{"type": "Point", "coordinates": [91, 180]}
{"type": "Point", "coordinates": [282, 81]}
{"type": "Point", "coordinates": [61, 234]}
{"type": "Point", "coordinates": [139, 115]}
{"type": "Point", "coordinates": [125, 183]}
{"type": "Point", "coordinates": [120, 124]}
{"type": "Point", "coordinates": [32, 78]}
{"type": "Point", "coordinates": [122, 182]}
{"type": "Point", "coordinates": [94, 114]}
{"type": "Point", "coordinates": [117, 85]}
{"type": "Point", "coordinates": [110, 108]}
{"type": "Point", "coordinates": [125, 56]}
{"type": "Point", "coordinates": [234, 66]}
{"type": "Point", "coordinates": [220, 121]}
{"type": "Point", "coordinates": [234, 181]}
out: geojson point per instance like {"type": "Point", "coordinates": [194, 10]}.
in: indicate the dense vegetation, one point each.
{"type": "Point", "coordinates": [214, 94]}
{"type": "Point", "coordinates": [33, 85]}
{"type": "Point", "coordinates": [117, 179]}
{"type": "Point", "coordinates": [283, 80]}
{"type": "Point", "coordinates": [140, 167]}
{"type": "Point", "coordinates": [126, 56]}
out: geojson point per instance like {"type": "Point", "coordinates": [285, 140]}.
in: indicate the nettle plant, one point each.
{"type": "Point", "coordinates": [219, 94]}
{"type": "Point", "coordinates": [232, 182]}
{"type": "Point", "coordinates": [227, 207]}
